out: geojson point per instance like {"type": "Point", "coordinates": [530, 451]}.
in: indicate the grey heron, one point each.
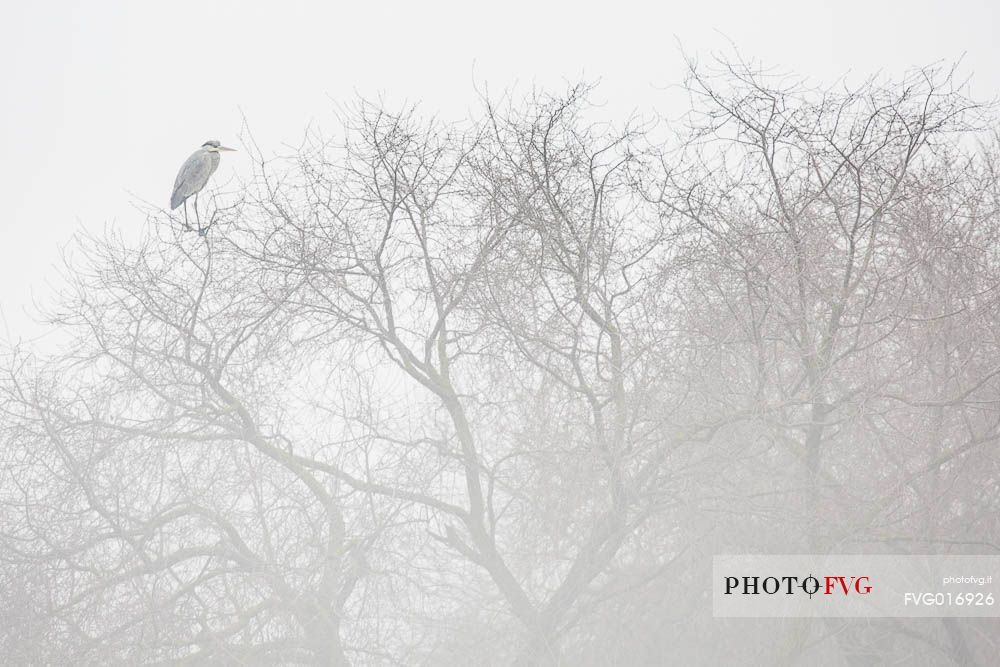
{"type": "Point", "coordinates": [193, 176]}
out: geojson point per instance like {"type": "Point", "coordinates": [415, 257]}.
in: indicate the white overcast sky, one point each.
{"type": "Point", "coordinates": [100, 102]}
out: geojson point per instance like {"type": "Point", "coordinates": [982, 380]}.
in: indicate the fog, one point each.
{"type": "Point", "coordinates": [486, 371]}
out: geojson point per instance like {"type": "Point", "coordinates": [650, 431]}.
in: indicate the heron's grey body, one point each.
{"type": "Point", "coordinates": [193, 176]}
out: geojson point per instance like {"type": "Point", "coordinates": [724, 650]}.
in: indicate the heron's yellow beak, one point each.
{"type": "Point", "coordinates": [223, 148]}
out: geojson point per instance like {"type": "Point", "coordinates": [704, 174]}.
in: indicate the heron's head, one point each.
{"type": "Point", "coordinates": [215, 146]}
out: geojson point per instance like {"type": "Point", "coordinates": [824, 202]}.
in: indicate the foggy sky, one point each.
{"type": "Point", "coordinates": [102, 101]}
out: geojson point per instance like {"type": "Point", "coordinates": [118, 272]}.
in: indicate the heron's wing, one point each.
{"type": "Point", "coordinates": [192, 177]}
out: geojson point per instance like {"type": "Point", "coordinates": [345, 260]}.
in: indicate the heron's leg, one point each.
{"type": "Point", "coordinates": [196, 214]}
{"type": "Point", "coordinates": [187, 225]}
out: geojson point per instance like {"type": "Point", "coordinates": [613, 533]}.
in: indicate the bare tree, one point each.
{"type": "Point", "coordinates": [493, 392]}
{"type": "Point", "coordinates": [826, 226]}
